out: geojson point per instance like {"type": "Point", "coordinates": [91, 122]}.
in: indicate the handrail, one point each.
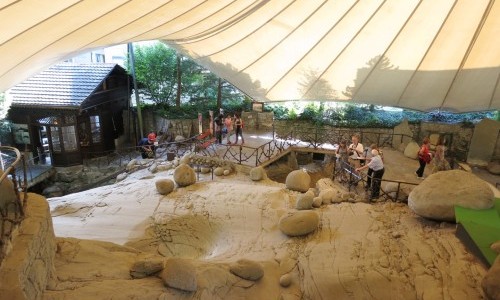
{"type": "Point", "coordinates": [14, 211]}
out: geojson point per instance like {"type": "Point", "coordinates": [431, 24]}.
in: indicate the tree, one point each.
{"type": "Point", "coordinates": [155, 69]}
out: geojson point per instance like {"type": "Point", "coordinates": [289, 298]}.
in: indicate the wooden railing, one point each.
{"type": "Point", "coordinates": [11, 208]}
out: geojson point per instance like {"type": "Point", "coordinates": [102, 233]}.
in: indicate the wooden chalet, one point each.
{"type": "Point", "coordinates": [71, 110]}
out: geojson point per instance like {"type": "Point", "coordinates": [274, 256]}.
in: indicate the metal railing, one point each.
{"type": "Point", "coordinates": [351, 178]}
{"type": "Point", "coordinates": [14, 194]}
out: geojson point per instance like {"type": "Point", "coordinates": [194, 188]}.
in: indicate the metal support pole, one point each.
{"type": "Point", "coordinates": [137, 100]}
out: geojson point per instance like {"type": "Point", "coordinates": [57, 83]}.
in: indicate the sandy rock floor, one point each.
{"type": "Point", "coordinates": [359, 251]}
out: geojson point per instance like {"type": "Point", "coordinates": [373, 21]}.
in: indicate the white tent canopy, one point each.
{"type": "Point", "coordinates": [423, 55]}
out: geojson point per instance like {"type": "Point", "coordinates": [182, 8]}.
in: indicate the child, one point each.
{"type": "Point", "coordinates": [342, 155]}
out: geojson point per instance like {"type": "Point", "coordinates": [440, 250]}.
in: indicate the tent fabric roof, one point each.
{"type": "Point", "coordinates": [61, 85]}
{"type": "Point", "coordinates": [421, 55]}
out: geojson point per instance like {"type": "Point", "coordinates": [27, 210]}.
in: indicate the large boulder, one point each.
{"type": "Point", "coordinates": [436, 197]}
{"type": "Point", "coordinates": [411, 150]}
{"type": "Point", "coordinates": [164, 186]}
{"type": "Point", "coordinates": [258, 173]}
{"type": "Point", "coordinates": [299, 222]}
{"type": "Point", "coordinates": [247, 269]}
{"type": "Point", "coordinates": [179, 273]}
{"type": "Point", "coordinates": [184, 175]}
{"type": "Point", "coordinates": [298, 180]}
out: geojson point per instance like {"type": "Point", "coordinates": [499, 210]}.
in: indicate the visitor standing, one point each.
{"type": "Point", "coordinates": [238, 123]}
{"type": "Point", "coordinates": [356, 151]}
{"type": "Point", "coordinates": [439, 162]}
{"type": "Point", "coordinates": [424, 157]}
{"type": "Point", "coordinates": [228, 123]}
{"type": "Point", "coordinates": [370, 170]}
{"type": "Point", "coordinates": [219, 121]}
{"type": "Point", "coordinates": [377, 165]}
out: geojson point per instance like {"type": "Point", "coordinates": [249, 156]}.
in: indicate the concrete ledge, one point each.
{"type": "Point", "coordinates": [25, 271]}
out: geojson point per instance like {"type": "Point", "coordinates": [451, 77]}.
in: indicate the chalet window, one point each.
{"type": "Point", "coordinates": [69, 138]}
{"type": "Point", "coordinates": [95, 127]}
{"type": "Point", "coordinates": [56, 143]}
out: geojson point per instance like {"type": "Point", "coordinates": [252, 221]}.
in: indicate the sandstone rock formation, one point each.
{"type": "Point", "coordinates": [299, 223]}
{"type": "Point", "coordinates": [298, 180]}
{"type": "Point", "coordinates": [184, 175]}
{"type": "Point", "coordinates": [411, 150]}
{"type": "Point", "coordinates": [491, 282]}
{"type": "Point", "coordinates": [304, 201]}
{"type": "Point", "coordinates": [146, 266]}
{"type": "Point", "coordinates": [436, 197]}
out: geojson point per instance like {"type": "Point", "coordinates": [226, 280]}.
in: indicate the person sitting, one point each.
{"type": "Point", "coordinates": [147, 146]}
{"type": "Point", "coordinates": [377, 165]}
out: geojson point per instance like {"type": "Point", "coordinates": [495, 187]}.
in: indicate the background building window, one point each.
{"type": "Point", "coordinates": [69, 138]}
{"type": "Point", "coordinates": [95, 127]}
{"type": "Point", "coordinates": [56, 143]}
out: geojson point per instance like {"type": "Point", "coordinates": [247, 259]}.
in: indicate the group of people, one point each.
{"type": "Point", "coordinates": [227, 125]}
{"type": "Point", "coordinates": [356, 157]}
{"type": "Point", "coordinates": [425, 156]}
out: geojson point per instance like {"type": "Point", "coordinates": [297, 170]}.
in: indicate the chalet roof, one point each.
{"type": "Point", "coordinates": [62, 85]}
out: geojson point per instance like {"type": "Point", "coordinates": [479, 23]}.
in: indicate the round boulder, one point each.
{"type": "Point", "coordinates": [121, 177]}
{"type": "Point", "coordinates": [317, 201]}
{"type": "Point", "coordinates": [258, 173]}
{"type": "Point", "coordinates": [494, 167]}
{"type": "Point", "coordinates": [247, 269]}
{"type": "Point", "coordinates": [411, 150]}
{"type": "Point", "coordinates": [436, 196]}
{"type": "Point", "coordinates": [184, 175]}
{"type": "Point", "coordinates": [304, 201]}
{"type": "Point", "coordinates": [226, 172]}
{"type": "Point", "coordinates": [285, 280]}
{"type": "Point", "coordinates": [299, 222]}
{"type": "Point", "coordinates": [165, 186]}
{"type": "Point", "coordinates": [219, 171]}
{"type": "Point", "coordinates": [327, 196]}
{"type": "Point", "coordinates": [298, 180]}
{"type": "Point", "coordinates": [180, 274]}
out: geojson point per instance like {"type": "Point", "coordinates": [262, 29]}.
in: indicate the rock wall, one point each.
{"type": "Point", "coordinates": [27, 268]}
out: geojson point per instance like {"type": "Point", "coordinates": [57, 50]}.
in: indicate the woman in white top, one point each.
{"type": "Point", "coordinates": [377, 165]}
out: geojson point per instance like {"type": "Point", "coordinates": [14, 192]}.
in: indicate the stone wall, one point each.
{"type": "Point", "coordinates": [29, 265]}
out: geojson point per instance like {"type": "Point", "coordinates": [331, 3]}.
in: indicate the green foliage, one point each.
{"type": "Point", "coordinates": [155, 70]}
{"type": "Point", "coordinates": [370, 116]}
